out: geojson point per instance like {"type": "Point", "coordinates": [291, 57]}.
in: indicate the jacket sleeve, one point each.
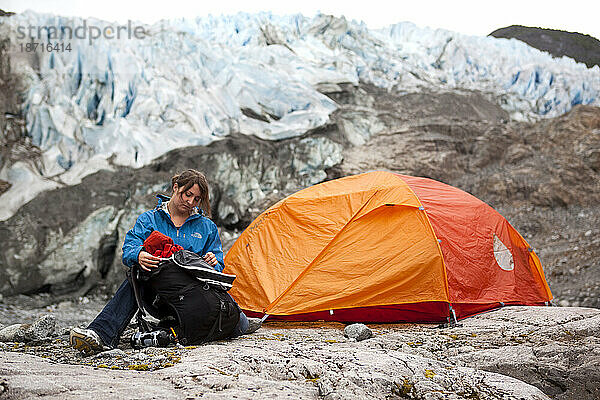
{"type": "Point", "coordinates": [213, 244]}
{"type": "Point", "coordinates": [134, 239]}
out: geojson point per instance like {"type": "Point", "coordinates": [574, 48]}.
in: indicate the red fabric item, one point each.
{"type": "Point", "coordinates": [160, 245]}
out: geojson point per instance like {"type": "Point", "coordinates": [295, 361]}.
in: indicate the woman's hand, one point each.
{"type": "Point", "coordinates": [211, 259]}
{"type": "Point", "coordinates": [147, 260]}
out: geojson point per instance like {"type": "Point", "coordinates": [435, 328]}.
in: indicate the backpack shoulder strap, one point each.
{"type": "Point", "coordinates": [133, 278]}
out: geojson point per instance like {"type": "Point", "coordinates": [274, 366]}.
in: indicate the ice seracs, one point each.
{"type": "Point", "coordinates": [190, 82]}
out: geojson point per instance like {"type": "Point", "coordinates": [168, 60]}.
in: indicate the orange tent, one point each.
{"type": "Point", "coordinates": [382, 247]}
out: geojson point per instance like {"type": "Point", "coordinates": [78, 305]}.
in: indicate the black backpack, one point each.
{"type": "Point", "coordinates": [188, 295]}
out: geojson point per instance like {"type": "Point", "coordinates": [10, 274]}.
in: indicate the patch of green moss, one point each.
{"type": "Point", "coordinates": [139, 367]}
{"type": "Point", "coordinates": [429, 374]}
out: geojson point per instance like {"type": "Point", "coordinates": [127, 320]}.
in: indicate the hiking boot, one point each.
{"type": "Point", "coordinates": [253, 325]}
{"type": "Point", "coordinates": [86, 340]}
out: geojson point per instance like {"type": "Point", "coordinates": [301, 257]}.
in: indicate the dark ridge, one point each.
{"type": "Point", "coordinates": [582, 48]}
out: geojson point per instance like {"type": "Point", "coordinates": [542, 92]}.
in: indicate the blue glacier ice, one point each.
{"type": "Point", "coordinates": [187, 81]}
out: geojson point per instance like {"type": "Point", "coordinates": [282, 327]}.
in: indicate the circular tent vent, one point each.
{"type": "Point", "coordinates": [503, 255]}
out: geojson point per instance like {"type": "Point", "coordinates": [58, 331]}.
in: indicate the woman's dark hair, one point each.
{"type": "Point", "coordinates": [189, 178]}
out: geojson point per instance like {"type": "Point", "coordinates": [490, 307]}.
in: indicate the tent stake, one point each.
{"type": "Point", "coordinates": [452, 322]}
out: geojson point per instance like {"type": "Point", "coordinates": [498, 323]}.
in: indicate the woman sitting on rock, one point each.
{"type": "Point", "coordinates": [179, 218]}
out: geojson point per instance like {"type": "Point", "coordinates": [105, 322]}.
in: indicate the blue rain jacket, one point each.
{"type": "Point", "coordinates": [198, 233]}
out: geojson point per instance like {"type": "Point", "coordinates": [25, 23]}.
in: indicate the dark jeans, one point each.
{"type": "Point", "coordinates": [117, 313]}
{"type": "Point", "coordinates": [115, 316]}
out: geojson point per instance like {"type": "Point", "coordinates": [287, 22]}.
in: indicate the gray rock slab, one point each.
{"type": "Point", "coordinates": [556, 349]}
{"type": "Point", "coordinates": [285, 367]}
{"type": "Point", "coordinates": [27, 376]}
{"type": "Point", "coordinates": [512, 353]}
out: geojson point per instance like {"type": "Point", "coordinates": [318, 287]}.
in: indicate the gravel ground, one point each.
{"type": "Point", "coordinates": [70, 312]}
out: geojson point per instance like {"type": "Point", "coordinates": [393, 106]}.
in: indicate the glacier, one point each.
{"type": "Point", "coordinates": [188, 82]}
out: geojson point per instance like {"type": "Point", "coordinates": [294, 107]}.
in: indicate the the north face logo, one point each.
{"type": "Point", "coordinates": [196, 235]}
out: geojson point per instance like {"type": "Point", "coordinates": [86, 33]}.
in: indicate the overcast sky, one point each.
{"type": "Point", "coordinates": [473, 17]}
